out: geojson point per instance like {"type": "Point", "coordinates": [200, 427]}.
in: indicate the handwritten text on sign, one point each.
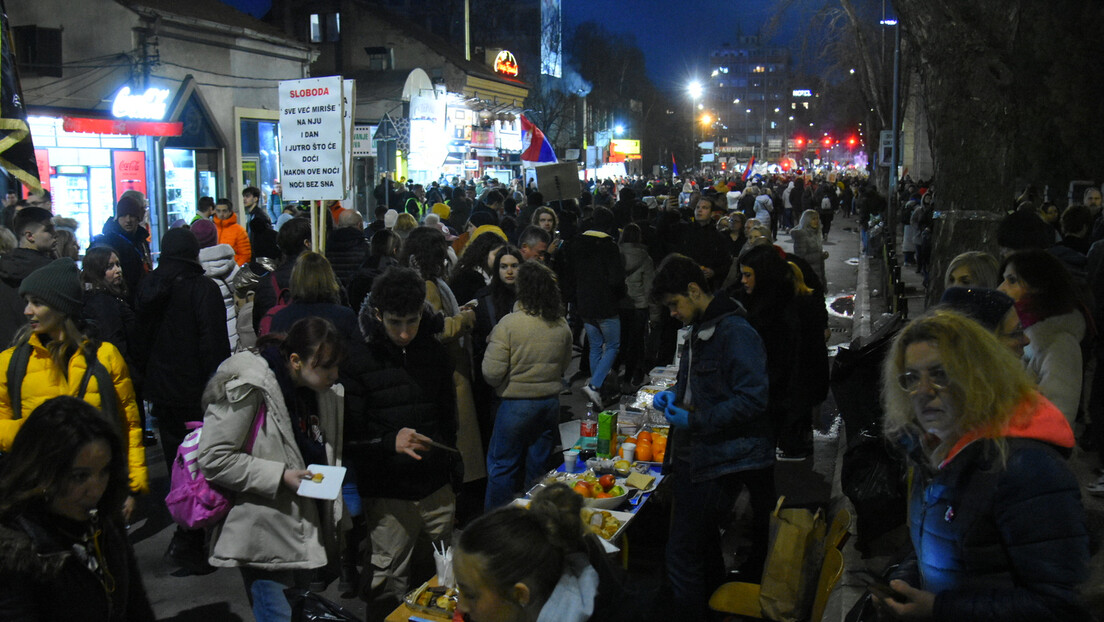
{"type": "Point", "coordinates": [312, 139]}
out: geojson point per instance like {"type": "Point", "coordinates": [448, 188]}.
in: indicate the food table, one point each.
{"type": "Point", "coordinates": [404, 612]}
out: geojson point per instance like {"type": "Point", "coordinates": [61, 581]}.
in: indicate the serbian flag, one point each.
{"type": "Point", "coordinates": [674, 166]}
{"type": "Point", "coordinates": [747, 169]}
{"type": "Point", "coordinates": [534, 146]}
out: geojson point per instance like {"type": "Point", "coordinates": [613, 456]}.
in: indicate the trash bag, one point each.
{"type": "Point", "coordinates": [856, 379]}
{"type": "Point", "coordinates": [306, 606]}
{"type": "Point", "coordinates": [873, 476]}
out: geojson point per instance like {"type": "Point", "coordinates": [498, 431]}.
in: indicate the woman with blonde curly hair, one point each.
{"type": "Point", "coordinates": [995, 513]}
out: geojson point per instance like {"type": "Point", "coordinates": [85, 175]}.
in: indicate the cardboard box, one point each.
{"type": "Point", "coordinates": [607, 434]}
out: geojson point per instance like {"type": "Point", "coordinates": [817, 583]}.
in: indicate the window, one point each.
{"type": "Point", "coordinates": [325, 27]}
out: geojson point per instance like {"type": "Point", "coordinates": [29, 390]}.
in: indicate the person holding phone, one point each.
{"type": "Point", "coordinates": [996, 520]}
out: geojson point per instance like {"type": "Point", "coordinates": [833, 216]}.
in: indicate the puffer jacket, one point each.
{"type": "Point", "coordinates": [43, 381]}
{"type": "Point", "coordinates": [639, 273]}
{"type": "Point", "coordinates": [1007, 542]}
{"type": "Point", "coordinates": [764, 208]}
{"type": "Point", "coordinates": [230, 232]}
{"type": "Point", "coordinates": [725, 370]}
{"type": "Point", "coordinates": [389, 388]}
{"type": "Point", "coordinates": [45, 580]}
{"type": "Point", "coordinates": [527, 355]}
{"type": "Point", "coordinates": [346, 248]}
{"type": "Point", "coordinates": [1054, 357]}
{"type": "Point", "coordinates": [218, 264]}
{"type": "Point", "coordinates": [269, 527]}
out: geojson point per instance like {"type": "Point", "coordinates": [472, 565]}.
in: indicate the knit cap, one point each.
{"type": "Point", "coordinates": [205, 232]}
{"type": "Point", "coordinates": [180, 244]}
{"type": "Point", "coordinates": [57, 284]}
{"type": "Point", "coordinates": [442, 210]}
{"type": "Point", "coordinates": [129, 206]}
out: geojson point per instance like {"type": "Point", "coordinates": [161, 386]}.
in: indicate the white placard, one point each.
{"type": "Point", "coordinates": [349, 103]}
{"type": "Point", "coordinates": [312, 133]}
{"type": "Point", "coordinates": [362, 141]}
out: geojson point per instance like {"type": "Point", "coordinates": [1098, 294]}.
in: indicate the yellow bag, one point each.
{"type": "Point", "coordinates": [794, 557]}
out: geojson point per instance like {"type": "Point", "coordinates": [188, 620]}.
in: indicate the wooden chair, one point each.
{"type": "Point", "coordinates": [743, 598]}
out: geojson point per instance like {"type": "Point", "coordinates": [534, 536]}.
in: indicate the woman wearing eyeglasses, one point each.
{"type": "Point", "coordinates": [995, 516]}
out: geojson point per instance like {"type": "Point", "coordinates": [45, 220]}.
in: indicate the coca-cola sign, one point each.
{"type": "Point", "coordinates": [151, 104]}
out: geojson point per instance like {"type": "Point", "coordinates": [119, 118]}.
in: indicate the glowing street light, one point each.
{"type": "Point", "coordinates": [695, 89]}
{"type": "Point", "coordinates": [619, 129]}
{"type": "Point", "coordinates": [706, 119]}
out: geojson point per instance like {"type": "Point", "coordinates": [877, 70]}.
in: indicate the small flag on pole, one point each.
{"type": "Point", "coordinates": [674, 166]}
{"type": "Point", "coordinates": [16, 149]}
{"type": "Point", "coordinates": [534, 145]}
{"type": "Point", "coordinates": [747, 169]}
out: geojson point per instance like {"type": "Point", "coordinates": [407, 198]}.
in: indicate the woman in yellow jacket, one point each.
{"type": "Point", "coordinates": [50, 357]}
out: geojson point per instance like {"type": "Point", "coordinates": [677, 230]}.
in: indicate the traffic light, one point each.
{"type": "Point", "coordinates": [851, 142]}
{"type": "Point", "coordinates": [827, 141]}
{"type": "Point", "coordinates": [800, 142]}
{"type": "Point", "coordinates": [724, 165]}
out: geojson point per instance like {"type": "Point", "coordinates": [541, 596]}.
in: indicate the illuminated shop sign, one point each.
{"type": "Point", "coordinates": [506, 64]}
{"type": "Point", "coordinates": [802, 93]}
{"type": "Point", "coordinates": [151, 104]}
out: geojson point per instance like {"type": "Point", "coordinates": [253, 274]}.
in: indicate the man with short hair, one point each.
{"type": "Point", "coordinates": [258, 226]}
{"type": "Point", "coordinates": [533, 243]}
{"type": "Point", "coordinates": [706, 245]}
{"type": "Point", "coordinates": [721, 439]}
{"type": "Point", "coordinates": [204, 209]}
{"type": "Point", "coordinates": [41, 199]}
{"type": "Point", "coordinates": [127, 237]}
{"type": "Point", "coordinates": [415, 202]}
{"type": "Point", "coordinates": [346, 246]}
{"type": "Point", "coordinates": [230, 232]}
{"type": "Point", "coordinates": [400, 409]}
{"type": "Point", "coordinates": [34, 229]}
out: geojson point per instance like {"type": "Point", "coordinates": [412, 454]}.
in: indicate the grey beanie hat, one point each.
{"type": "Point", "coordinates": [58, 285]}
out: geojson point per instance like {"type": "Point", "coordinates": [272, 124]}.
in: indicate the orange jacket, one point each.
{"type": "Point", "coordinates": [230, 232]}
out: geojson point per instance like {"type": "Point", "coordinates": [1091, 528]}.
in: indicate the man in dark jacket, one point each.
{"type": "Point", "coordinates": [400, 409]}
{"type": "Point", "coordinates": [127, 237]}
{"type": "Point", "coordinates": [262, 237]}
{"type": "Point", "coordinates": [702, 242]}
{"type": "Point", "coordinates": [35, 230]}
{"type": "Point", "coordinates": [596, 275]}
{"type": "Point", "coordinates": [182, 340]}
{"type": "Point", "coordinates": [347, 247]}
{"type": "Point", "coordinates": [721, 439]}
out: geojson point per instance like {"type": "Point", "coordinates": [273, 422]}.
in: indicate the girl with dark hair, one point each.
{"type": "Point", "coordinates": [105, 299]}
{"type": "Point", "coordinates": [495, 301]}
{"type": "Point", "coordinates": [541, 562]}
{"type": "Point", "coordinates": [1053, 320]}
{"type": "Point", "coordinates": [527, 354]}
{"type": "Point", "coordinates": [475, 269]}
{"type": "Point", "coordinates": [53, 356]}
{"type": "Point", "coordinates": [63, 550]}
{"type": "Point", "coordinates": [286, 390]}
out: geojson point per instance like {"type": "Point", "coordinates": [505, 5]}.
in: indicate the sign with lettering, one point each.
{"type": "Point", "coordinates": [506, 64]}
{"type": "Point", "coordinates": [312, 132]}
{"type": "Point", "coordinates": [362, 141]}
{"type": "Point", "coordinates": [128, 168]}
{"type": "Point", "coordinates": [151, 104]}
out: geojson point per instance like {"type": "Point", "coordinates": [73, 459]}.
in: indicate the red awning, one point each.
{"type": "Point", "coordinates": [121, 126]}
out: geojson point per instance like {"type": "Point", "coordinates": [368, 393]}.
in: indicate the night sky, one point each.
{"type": "Point", "coordinates": [676, 37]}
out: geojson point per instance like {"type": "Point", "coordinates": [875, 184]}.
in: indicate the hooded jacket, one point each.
{"type": "Point", "coordinates": [723, 377]}
{"type": "Point", "coordinates": [596, 273]}
{"type": "Point", "coordinates": [132, 249]}
{"type": "Point", "coordinates": [44, 579]}
{"type": "Point", "coordinates": [1054, 358]}
{"type": "Point", "coordinates": [14, 267]}
{"type": "Point", "coordinates": [218, 265]}
{"type": "Point", "coordinates": [1003, 541]}
{"type": "Point", "coordinates": [43, 381]}
{"type": "Point", "coordinates": [182, 334]}
{"type": "Point", "coordinates": [388, 388]}
{"type": "Point", "coordinates": [639, 273]}
{"type": "Point", "coordinates": [346, 249]}
{"type": "Point", "coordinates": [230, 232]}
{"type": "Point", "coordinates": [269, 526]}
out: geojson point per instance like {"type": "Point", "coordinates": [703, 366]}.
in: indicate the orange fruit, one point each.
{"type": "Point", "coordinates": [631, 439]}
{"type": "Point", "coordinates": [644, 434]}
{"type": "Point", "coordinates": [603, 495]}
{"type": "Point", "coordinates": [659, 455]}
{"type": "Point", "coordinates": [644, 452]}
{"type": "Point", "coordinates": [583, 489]}
{"type": "Point", "coordinates": [659, 443]}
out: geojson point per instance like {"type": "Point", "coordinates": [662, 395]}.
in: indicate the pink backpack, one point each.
{"type": "Point", "coordinates": [193, 502]}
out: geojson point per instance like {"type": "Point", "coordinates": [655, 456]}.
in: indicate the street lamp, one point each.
{"type": "Point", "coordinates": [619, 129]}
{"type": "Point", "coordinates": [695, 90]}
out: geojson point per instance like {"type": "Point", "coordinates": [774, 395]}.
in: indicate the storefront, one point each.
{"type": "Point", "coordinates": [157, 140]}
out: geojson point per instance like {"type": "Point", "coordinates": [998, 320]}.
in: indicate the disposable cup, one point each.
{"type": "Point", "coordinates": [628, 451]}
{"type": "Point", "coordinates": [571, 460]}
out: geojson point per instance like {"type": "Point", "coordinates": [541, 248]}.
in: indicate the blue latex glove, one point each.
{"type": "Point", "coordinates": [677, 417]}
{"type": "Point", "coordinates": [662, 399]}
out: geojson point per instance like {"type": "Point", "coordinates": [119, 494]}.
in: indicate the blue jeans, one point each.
{"type": "Point", "coordinates": [523, 436]}
{"type": "Point", "coordinates": [265, 589]}
{"type": "Point", "coordinates": [605, 341]}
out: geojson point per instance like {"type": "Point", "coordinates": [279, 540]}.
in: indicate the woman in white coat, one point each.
{"type": "Point", "coordinates": [275, 537]}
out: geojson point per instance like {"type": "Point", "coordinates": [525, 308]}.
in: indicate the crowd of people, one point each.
{"type": "Point", "coordinates": [427, 349]}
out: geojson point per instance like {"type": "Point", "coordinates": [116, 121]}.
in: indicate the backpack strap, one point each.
{"type": "Point", "coordinates": [17, 369]}
{"type": "Point", "coordinates": [283, 294]}
{"type": "Point", "coordinates": [109, 398]}
{"type": "Point", "coordinates": [258, 421]}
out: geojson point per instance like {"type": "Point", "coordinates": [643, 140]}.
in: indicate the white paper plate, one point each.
{"type": "Point", "coordinates": [330, 486]}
